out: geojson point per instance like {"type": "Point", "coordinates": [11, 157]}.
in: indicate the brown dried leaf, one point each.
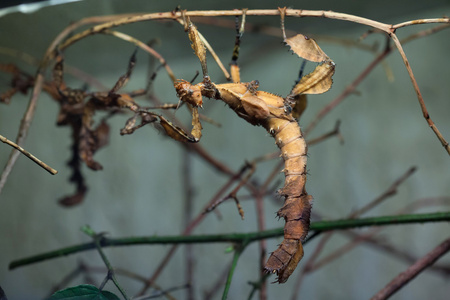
{"type": "Point", "coordinates": [317, 82]}
{"type": "Point", "coordinates": [306, 48]}
{"type": "Point", "coordinates": [175, 132]}
{"type": "Point", "coordinates": [197, 126]}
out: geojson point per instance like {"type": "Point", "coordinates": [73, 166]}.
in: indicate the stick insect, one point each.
{"type": "Point", "coordinates": [277, 116]}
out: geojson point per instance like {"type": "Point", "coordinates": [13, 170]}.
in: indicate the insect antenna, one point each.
{"type": "Point", "coordinates": [195, 77]}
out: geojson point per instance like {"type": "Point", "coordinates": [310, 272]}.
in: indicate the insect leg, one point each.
{"type": "Point", "coordinates": [234, 67]}
{"type": "Point", "coordinates": [300, 73]}
{"type": "Point", "coordinates": [125, 77]}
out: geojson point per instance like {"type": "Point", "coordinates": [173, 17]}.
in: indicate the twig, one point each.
{"type": "Point", "coordinates": [391, 191]}
{"type": "Point", "coordinates": [144, 47]}
{"type": "Point", "coordinates": [257, 285]}
{"type": "Point", "coordinates": [162, 292]}
{"type": "Point", "coordinates": [403, 278]}
{"type": "Point", "coordinates": [426, 115]}
{"type": "Point", "coordinates": [233, 193]}
{"type": "Point", "coordinates": [188, 230]}
{"type": "Point", "coordinates": [310, 264]}
{"type": "Point", "coordinates": [349, 89]}
{"type": "Point", "coordinates": [118, 271]}
{"type": "Point", "coordinates": [327, 135]}
{"type": "Point", "coordinates": [209, 294]}
{"type": "Point", "coordinates": [67, 279]}
{"type": "Point", "coordinates": [381, 245]}
{"type": "Point", "coordinates": [236, 237]}
{"type": "Point", "coordinates": [238, 249]}
{"type": "Point", "coordinates": [110, 276]}
{"type": "Point", "coordinates": [188, 205]}
{"type": "Point", "coordinates": [29, 155]}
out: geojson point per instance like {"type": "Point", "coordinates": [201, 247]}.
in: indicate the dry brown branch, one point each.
{"type": "Point", "coordinates": [409, 274]}
{"type": "Point", "coordinates": [375, 243]}
{"type": "Point", "coordinates": [426, 115]}
{"type": "Point", "coordinates": [233, 193]}
{"type": "Point", "coordinates": [29, 155]}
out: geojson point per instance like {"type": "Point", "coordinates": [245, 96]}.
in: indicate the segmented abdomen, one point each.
{"type": "Point", "coordinates": [269, 111]}
{"type": "Point", "coordinates": [297, 204]}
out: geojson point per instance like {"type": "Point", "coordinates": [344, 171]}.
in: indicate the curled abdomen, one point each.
{"type": "Point", "coordinates": [297, 203]}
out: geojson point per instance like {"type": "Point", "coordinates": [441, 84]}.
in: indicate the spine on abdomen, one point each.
{"type": "Point", "coordinates": [297, 204]}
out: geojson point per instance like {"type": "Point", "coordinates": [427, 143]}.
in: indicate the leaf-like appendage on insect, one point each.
{"type": "Point", "coordinates": [197, 45]}
{"type": "Point", "coordinates": [176, 132]}
{"type": "Point", "coordinates": [197, 126]}
{"type": "Point", "coordinates": [91, 141]}
{"type": "Point", "coordinates": [306, 48]}
{"type": "Point", "coordinates": [317, 82]}
{"type": "Point", "coordinates": [299, 106]}
{"type": "Point", "coordinates": [255, 107]}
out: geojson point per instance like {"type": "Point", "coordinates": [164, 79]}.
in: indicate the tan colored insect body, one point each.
{"type": "Point", "coordinates": [268, 110]}
{"type": "Point", "coordinates": [276, 115]}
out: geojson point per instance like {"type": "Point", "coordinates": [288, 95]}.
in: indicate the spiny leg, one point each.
{"type": "Point", "coordinates": [123, 80]}
{"type": "Point", "coordinates": [234, 67]}
{"type": "Point", "coordinates": [65, 93]}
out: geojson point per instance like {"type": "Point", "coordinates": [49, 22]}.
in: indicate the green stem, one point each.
{"type": "Point", "coordinates": [237, 253]}
{"type": "Point", "coordinates": [236, 237]}
{"type": "Point", "coordinates": [97, 241]}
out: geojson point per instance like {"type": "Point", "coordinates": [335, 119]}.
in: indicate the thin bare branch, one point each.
{"type": "Point", "coordinates": [409, 274]}
{"type": "Point", "coordinates": [426, 115]}
{"type": "Point", "coordinates": [29, 155]}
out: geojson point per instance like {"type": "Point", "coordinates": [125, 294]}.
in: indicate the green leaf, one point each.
{"type": "Point", "coordinates": [83, 292]}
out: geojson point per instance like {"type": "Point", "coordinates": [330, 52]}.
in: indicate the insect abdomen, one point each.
{"type": "Point", "coordinates": [297, 204]}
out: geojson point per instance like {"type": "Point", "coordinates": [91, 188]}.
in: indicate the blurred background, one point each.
{"type": "Point", "coordinates": [141, 190]}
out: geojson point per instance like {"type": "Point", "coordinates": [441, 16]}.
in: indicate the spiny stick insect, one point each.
{"type": "Point", "coordinates": [278, 116]}
{"type": "Point", "coordinates": [77, 108]}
